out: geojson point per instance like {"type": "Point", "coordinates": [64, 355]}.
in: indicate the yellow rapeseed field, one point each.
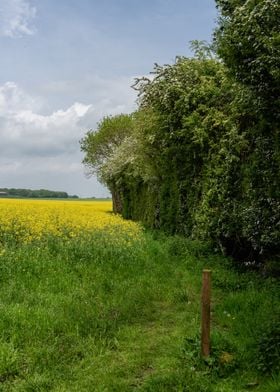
{"type": "Point", "coordinates": [25, 220]}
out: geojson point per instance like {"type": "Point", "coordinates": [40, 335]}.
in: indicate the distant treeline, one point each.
{"type": "Point", "coordinates": [201, 154]}
{"type": "Point", "coordinates": [39, 193]}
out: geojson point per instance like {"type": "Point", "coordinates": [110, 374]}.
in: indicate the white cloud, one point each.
{"type": "Point", "coordinates": [108, 95]}
{"type": "Point", "coordinates": [40, 149]}
{"type": "Point", "coordinates": [23, 131]}
{"type": "Point", "coordinates": [16, 17]}
{"type": "Point", "coordinates": [13, 99]}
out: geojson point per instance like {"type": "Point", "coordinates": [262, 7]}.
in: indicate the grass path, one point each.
{"type": "Point", "coordinates": [83, 316]}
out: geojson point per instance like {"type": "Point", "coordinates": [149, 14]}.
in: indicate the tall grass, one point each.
{"type": "Point", "coordinates": [88, 315]}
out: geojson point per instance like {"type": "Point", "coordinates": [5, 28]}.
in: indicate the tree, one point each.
{"type": "Point", "coordinates": [101, 145]}
{"type": "Point", "coordinates": [248, 41]}
{"type": "Point", "coordinates": [200, 156]}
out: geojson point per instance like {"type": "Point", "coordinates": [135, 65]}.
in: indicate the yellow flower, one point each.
{"type": "Point", "coordinates": [25, 221]}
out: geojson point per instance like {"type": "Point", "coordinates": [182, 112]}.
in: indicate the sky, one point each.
{"type": "Point", "coordinates": [66, 64]}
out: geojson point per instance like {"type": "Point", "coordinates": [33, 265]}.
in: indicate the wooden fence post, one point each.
{"type": "Point", "coordinates": [205, 313]}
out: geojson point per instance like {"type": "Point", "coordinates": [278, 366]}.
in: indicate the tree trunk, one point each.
{"type": "Point", "coordinates": [117, 202]}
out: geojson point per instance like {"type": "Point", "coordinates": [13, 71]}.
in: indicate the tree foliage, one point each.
{"type": "Point", "coordinates": [201, 155]}
{"type": "Point", "coordinates": [101, 144]}
{"type": "Point", "coordinates": [248, 40]}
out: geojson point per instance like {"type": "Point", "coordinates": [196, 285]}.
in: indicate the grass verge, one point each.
{"type": "Point", "coordinates": [86, 315]}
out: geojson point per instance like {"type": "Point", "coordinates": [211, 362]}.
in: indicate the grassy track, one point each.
{"type": "Point", "coordinates": [83, 316]}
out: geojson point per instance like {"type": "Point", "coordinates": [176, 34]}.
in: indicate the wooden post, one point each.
{"type": "Point", "coordinates": [205, 313]}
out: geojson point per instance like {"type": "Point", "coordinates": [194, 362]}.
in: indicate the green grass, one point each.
{"type": "Point", "coordinates": [83, 316]}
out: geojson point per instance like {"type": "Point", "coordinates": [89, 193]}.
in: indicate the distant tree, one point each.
{"type": "Point", "coordinates": [38, 193]}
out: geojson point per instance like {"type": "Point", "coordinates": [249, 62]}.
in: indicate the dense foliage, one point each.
{"type": "Point", "coordinates": [201, 156]}
{"type": "Point", "coordinates": [248, 40]}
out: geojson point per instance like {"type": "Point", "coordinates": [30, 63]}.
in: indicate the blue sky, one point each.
{"type": "Point", "coordinates": [65, 64]}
